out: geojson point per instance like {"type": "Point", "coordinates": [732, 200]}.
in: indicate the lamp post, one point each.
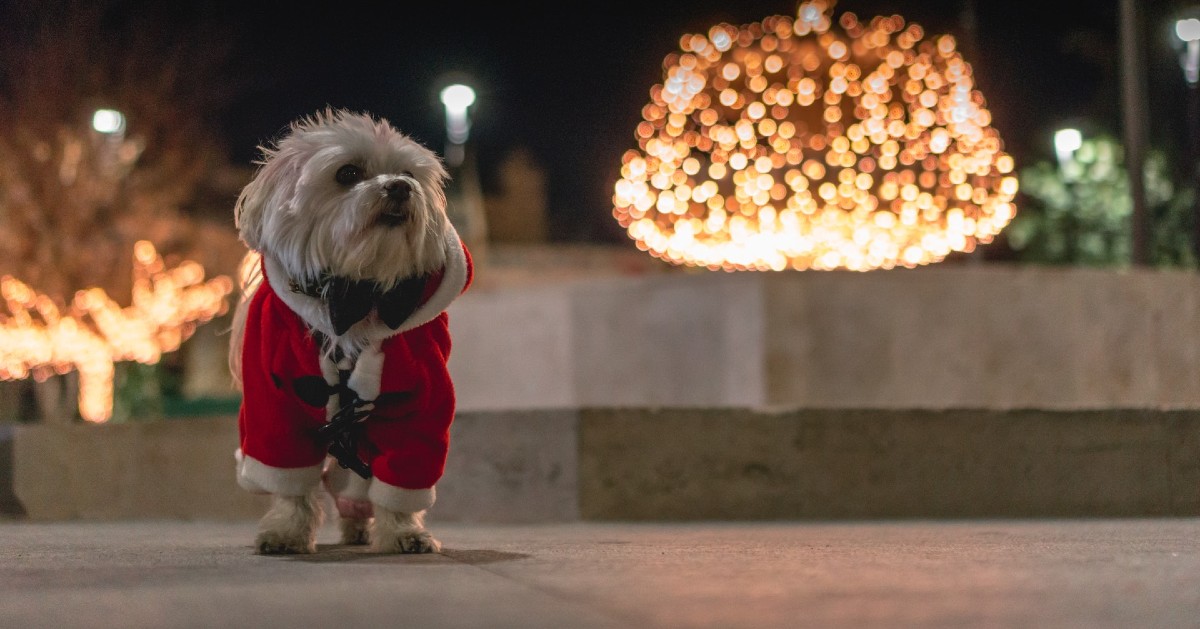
{"type": "Point", "coordinates": [464, 194]}
{"type": "Point", "coordinates": [110, 125]}
{"type": "Point", "coordinates": [1134, 115]}
{"type": "Point", "coordinates": [1066, 142]}
{"type": "Point", "coordinates": [1188, 33]}
{"type": "Point", "coordinates": [457, 98]}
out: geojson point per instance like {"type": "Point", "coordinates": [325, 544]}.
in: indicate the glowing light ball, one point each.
{"type": "Point", "coordinates": [792, 143]}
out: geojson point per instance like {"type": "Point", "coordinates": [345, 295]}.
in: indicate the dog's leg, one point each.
{"type": "Point", "coordinates": [397, 532]}
{"type": "Point", "coordinates": [289, 527]}
{"type": "Point", "coordinates": [356, 531]}
{"type": "Point", "coordinates": [349, 493]}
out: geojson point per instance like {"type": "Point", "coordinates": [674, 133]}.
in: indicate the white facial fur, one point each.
{"type": "Point", "coordinates": [297, 213]}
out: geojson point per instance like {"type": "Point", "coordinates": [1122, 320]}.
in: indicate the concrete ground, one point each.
{"type": "Point", "coordinates": [1091, 573]}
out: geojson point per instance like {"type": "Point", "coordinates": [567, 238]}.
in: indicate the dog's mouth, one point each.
{"type": "Point", "coordinates": [394, 215]}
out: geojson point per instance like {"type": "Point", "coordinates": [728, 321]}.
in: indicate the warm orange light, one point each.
{"type": "Point", "coordinates": [38, 341]}
{"type": "Point", "coordinates": [785, 144]}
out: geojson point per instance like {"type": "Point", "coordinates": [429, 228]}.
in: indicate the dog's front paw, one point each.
{"type": "Point", "coordinates": [289, 527]}
{"type": "Point", "coordinates": [274, 543]}
{"type": "Point", "coordinates": [407, 542]}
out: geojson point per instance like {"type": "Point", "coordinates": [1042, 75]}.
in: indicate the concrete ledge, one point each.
{"type": "Point", "coordinates": [167, 469]}
{"type": "Point", "coordinates": [10, 506]}
{"type": "Point", "coordinates": [739, 464]}
{"type": "Point", "coordinates": [503, 467]}
{"type": "Point", "coordinates": [676, 464]}
{"type": "Point", "coordinates": [513, 466]}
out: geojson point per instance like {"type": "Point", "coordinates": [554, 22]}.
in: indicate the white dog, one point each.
{"type": "Point", "coordinates": [342, 350]}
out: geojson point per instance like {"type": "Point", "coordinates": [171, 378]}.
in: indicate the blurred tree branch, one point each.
{"type": "Point", "coordinates": [73, 200]}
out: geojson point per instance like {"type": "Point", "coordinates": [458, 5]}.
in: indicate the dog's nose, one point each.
{"type": "Point", "coordinates": [397, 190]}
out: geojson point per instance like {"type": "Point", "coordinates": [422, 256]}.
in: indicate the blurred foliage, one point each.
{"type": "Point", "coordinates": [137, 392]}
{"type": "Point", "coordinates": [1080, 213]}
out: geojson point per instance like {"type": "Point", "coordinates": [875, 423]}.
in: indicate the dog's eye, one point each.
{"type": "Point", "coordinates": [349, 174]}
{"type": "Point", "coordinates": [407, 173]}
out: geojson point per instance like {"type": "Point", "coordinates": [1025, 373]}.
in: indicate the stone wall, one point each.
{"type": "Point", "coordinates": [986, 336]}
{"type": "Point", "coordinates": [674, 464]}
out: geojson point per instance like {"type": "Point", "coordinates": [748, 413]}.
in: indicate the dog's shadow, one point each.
{"type": "Point", "coordinates": [340, 553]}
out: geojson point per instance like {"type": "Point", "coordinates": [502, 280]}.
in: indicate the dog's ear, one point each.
{"type": "Point", "coordinates": [438, 178]}
{"type": "Point", "coordinates": [248, 212]}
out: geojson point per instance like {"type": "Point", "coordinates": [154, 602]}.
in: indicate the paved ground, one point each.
{"type": "Point", "coordinates": [1132, 573]}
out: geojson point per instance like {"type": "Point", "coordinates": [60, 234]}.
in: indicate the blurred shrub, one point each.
{"type": "Point", "coordinates": [1080, 213]}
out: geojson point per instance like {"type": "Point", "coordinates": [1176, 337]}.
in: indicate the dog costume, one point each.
{"type": "Point", "coordinates": [397, 393]}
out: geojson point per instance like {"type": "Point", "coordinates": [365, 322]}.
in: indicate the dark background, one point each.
{"type": "Point", "coordinates": [568, 80]}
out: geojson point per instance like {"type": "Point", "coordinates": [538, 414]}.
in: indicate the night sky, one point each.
{"type": "Point", "coordinates": [568, 80]}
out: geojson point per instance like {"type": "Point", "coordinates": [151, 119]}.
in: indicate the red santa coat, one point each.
{"type": "Point", "coordinates": [284, 402]}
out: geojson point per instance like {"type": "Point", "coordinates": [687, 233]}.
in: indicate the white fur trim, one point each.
{"type": "Point", "coordinates": [343, 483]}
{"type": "Point", "coordinates": [368, 372]}
{"type": "Point", "coordinates": [258, 477]}
{"type": "Point", "coordinates": [314, 313]}
{"type": "Point", "coordinates": [399, 499]}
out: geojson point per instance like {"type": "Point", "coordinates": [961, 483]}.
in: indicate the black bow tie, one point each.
{"type": "Point", "coordinates": [349, 301]}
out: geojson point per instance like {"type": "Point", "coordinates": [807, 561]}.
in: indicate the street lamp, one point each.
{"type": "Point", "coordinates": [108, 122]}
{"type": "Point", "coordinates": [464, 196]}
{"type": "Point", "coordinates": [1066, 142]}
{"type": "Point", "coordinates": [114, 153]}
{"type": "Point", "coordinates": [1188, 32]}
{"type": "Point", "coordinates": [457, 98]}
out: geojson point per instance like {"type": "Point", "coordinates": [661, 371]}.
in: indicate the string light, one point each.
{"type": "Point", "coordinates": [38, 341]}
{"type": "Point", "coordinates": [787, 144]}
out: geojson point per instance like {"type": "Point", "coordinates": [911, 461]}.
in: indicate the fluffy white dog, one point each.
{"type": "Point", "coordinates": [340, 346]}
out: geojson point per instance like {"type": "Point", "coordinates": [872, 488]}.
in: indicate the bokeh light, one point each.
{"type": "Point", "coordinates": [108, 121]}
{"type": "Point", "coordinates": [1067, 141]}
{"type": "Point", "coordinates": [1188, 30]}
{"type": "Point", "coordinates": [457, 98]}
{"type": "Point", "coordinates": [795, 143]}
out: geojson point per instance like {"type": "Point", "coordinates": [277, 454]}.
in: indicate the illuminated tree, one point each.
{"type": "Point", "coordinates": [75, 197]}
{"type": "Point", "coordinates": [815, 142]}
